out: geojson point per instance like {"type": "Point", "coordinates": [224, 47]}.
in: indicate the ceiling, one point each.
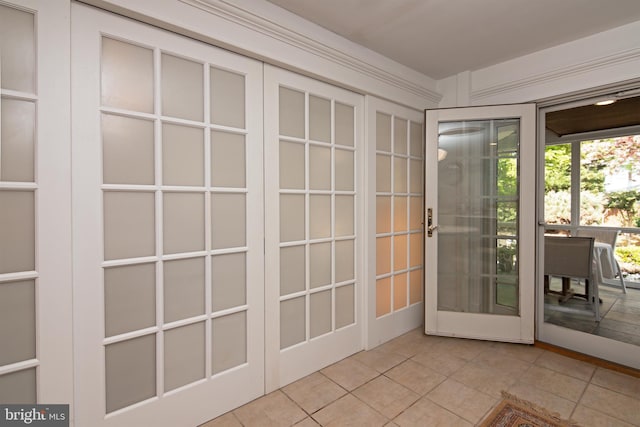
{"type": "Point", "coordinates": [441, 38]}
{"type": "Point", "coordinates": [588, 118]}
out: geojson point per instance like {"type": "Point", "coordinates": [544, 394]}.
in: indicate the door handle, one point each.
{"type": "Point", "coordinates": [430, 225]}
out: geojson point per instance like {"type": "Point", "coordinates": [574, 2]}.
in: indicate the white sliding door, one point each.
{"type": "Point", "coordinates": [168, 229]}
{"type": "Point", "coordinates": [395, 214]}
{"type": "Point", "coordinates": [35, 228]}
{"type": "Point", "coordinates": [314, 220]}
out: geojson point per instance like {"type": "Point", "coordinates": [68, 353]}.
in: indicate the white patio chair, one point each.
{"type": "Point", "coordinates": [609, 237]}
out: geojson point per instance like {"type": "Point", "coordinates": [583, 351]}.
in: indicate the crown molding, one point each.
{"type": "Point", "coordinates": [558, 74]}
{"type": "Point", "coordinates": [270, 28]}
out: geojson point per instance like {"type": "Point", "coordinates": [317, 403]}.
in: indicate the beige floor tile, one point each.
{"type": "Point", "coordinates": [618, 382]}
{"type": "Point", "coordinates": [349, 411]}
{"type": "Point", "coordinates": [426, 413]}
{"type": "Point", "coordinates": [463, 401]}
{"type": "Point", "coordinates": [611, 403]}
{"type": "Point", "coordinates": [307, 422]}
{"type": "Point", "coordinates": [525, 352]}
{"type": "Point", "coordinates": [554, 382]}
{"type": "Point", "coordinates": [274, 409]}
{"type": "Point", "coordinates": [441, 360]}
{"type": "Point", "coordinates": [314, 392]}
{"type": "Point", "coordinates": [466, 349]}
{"type": "Point", "coordinates": [386, 396]}
{"type": "Point", "coordinates": [379, 360]}
{"type": "Point", "coordinates": [349, 373]}
{"type": "Point", "coordinates": [409, 344]}
{"type": "Point", "coordinates": [226, 420]}
{"type": "Point", "coordinates": [566, 365]}
{"type": "Point", "coordinates": [589, 417]}
{"type": "Point", "coordinates": [415, 377]}
{"type": "Point", "coordinates": [489, 381]}
{"type": "Point", "coordinates": [502, 362]}
{"type": "Point", "coordinates": [547, 400]}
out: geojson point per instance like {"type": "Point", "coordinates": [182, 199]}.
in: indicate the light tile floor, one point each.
{"type": "Point", "coordinates": [418, 380]}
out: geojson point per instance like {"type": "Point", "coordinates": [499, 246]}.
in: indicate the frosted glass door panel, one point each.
{"type": "Point", "coordinates": [17, 49]}
{"type": "Point", "coordinates": [17, 140]}
{"type": "Point", "coordinates": [127, 76]}
{"type": "Point", "coordinates": [171, 264]}
{"type": "Point", "coordinates": [18, 387]}
{"type": "Point", "coordinates": [17, 322]}
{"type": "Point", "coordinates": [17, 231]}
{"type": "Point", "coordinates": [182, 88]}
{"type": "Point", "coordinates": [292, 108]}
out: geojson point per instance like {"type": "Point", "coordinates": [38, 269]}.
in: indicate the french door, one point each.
{"type": "Point", "coordinates": [480, 222]}
{"type": "Point", "coordinates": [313, 143]}
{"type": "Point", "coordinates": [168, 225]}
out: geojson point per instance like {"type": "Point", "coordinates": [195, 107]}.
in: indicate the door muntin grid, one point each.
{"type": "Point", "coordinates": [19, 272]}
{"type": "Point", "coordinates": [317, 171]}
{"type": "Point", "coordinates": [399, 224]}
{"type": "Point", "coordinates": [175, 222]}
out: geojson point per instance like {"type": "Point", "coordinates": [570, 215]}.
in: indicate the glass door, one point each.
{"type": "Point", "coordinates": [480, 222]}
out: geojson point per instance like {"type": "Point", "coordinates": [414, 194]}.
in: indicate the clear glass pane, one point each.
{"type": "Point", "coordinates": [129, 224]}
{"type": "Point", "coordinates": [292, 110]}
{"type": "Point", "coordinates": [229, 336]}
{"type": "Point", "coordinates": [344, 260]}
{"type": "Point", "coordinates": [415, 177]}
{"type": "Point", "coordinates": [557, 184]}
{"type": "Point", "coordinates": [345, 306]}
{"type": "Point", "coordinates": [415, 249]}
{"type": "Point", "coordinates": [292, 322]}
{"type": "Point", "coordinates": [383, 214]}
{"type": "Point", "coordinates": [17, 49]}
{"type": "Point", "coordinates": [128, 150]}
{"type": "Point", "coordinates": [228, 217]}
{"type": "Point", "coordinates": [227, 98]}
{"type": "Point", "coordinates": [183, 222]}
{"type": "Point", "coordinates": [17, 321]}
{"type": "Point", "coordinates": [319, 168]}
{"type": "Point", "coordinates": [292, 217]}
{"type": "Point", "coordinates": [383, 173]}
{"type": "Point", "coordinates": [127, 76]}
{"type": "Point", "coordinates": [415, 286]}
{"type": "Point", "coordinates": [319, 119]}
{"type": "Point", "coordinates": [480, 168]}
{"type": "Point", "coordinates": [399, 291]}
{"type": "Point", "coordinates": [228, 160]}
{"type": "Point", "coordinates": [344, 170]}
{"type": "Point", "coordinates": [228, 281]}
{"type": "Point", "coordinates": [17, 231]}
{"type": "Point", "coordinates": [399, 175]}
{"type": "Point", "coordinates": [183, 289]}
{"type": "Point", "coordinates": [416, 139]}
{"type": "Point", "coordinates": [182, 155]}
{"type": "Point", "coordinates": [399, 213]}
{"type": "Point", "coordinates": [383, 132]}
{"type": "Point", "coordinates": [319, 264]}
{"type": "Point", "coordinates": [383, 296]}
{"type": "Point", "coordinates": [319, 216]}
{"type": "Point", "coordinates": [399, 136]}
{"type": "Point", "coordinates": [182, 88]}
{"type": "Point", "coordinates": [184, 355]}
{"type": "Point", "coordinates": [129, 298]}
{"type": "Point", "coordinates": [18, 387]}
{"type": "Point", "coordinates": [292, 269]}
{"type": "Point", "coordinates": [130, 372]}
{"type": "Point", "coordinates": [400, 252]}
{"type": "Point", "coordinates": [319, 313]}
{"type": "Point", "coordinates": [344, 123]}
{"type": "Point", "coordinates": [17, 125]}
{"type": "Point", "coordinates": [292, 165]}
{"type": "Point", "coordinates": [344, 216]}
{"type": "Point", "coordinates": [383, 255]}
{"type": "Point", "coordinates": [416, 210]}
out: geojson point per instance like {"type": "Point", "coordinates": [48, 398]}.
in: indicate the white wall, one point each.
{"type": "Point", "coordinates": [602, 59]}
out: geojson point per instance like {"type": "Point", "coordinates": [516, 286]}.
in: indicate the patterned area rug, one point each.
{"type": "Point", "coordinates": [515, 412]}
